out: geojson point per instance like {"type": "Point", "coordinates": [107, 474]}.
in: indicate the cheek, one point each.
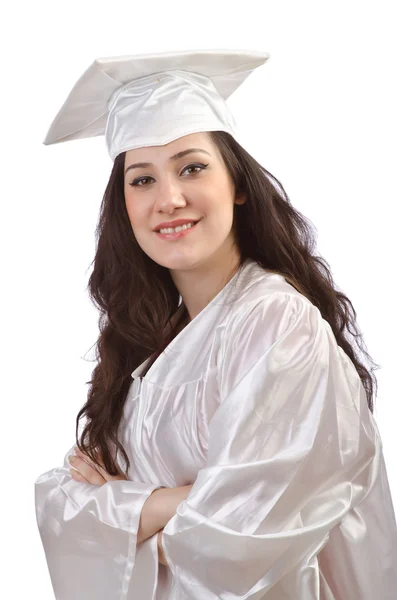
{"type": "Point", "coordinates": [221, 211]}
{"type": "Point", "coordinates": [134, 211]}
{"type": "Point", "coordinates": [130, 212]}
{"type": "Point", "coordinates": [217, 199]}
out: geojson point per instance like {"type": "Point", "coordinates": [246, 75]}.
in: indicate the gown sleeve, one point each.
{"type": "Point", "coordinates": [290, 450]}
{"type": "Point", "coordinates": [89, 535]}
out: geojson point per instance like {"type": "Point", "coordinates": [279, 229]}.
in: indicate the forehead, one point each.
{"type": "Point", "coordinates": [150, 153]}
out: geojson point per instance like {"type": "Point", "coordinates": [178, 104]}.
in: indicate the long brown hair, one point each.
{"type": "Point", "coordinates": [136, 297]}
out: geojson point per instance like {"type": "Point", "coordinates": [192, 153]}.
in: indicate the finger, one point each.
{"type": "Point", "coordinates": [100, 467]}
{"type": "Point", "coordinates": [81, 454]}
{"type": "Point", "coordinates": [88, 472]}
{"type": "Point", "coordinates": [85, 457]}
{"type": "Point", "coordinates": [78, 476]}
{"type": "Point", "coordinates": [88, 460]}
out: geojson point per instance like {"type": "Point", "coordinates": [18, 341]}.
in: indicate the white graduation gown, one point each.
{"type": "Point", "coordinates": [255, 403]}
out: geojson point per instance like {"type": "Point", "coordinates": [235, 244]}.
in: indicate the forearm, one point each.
{"type": "Point", "coordinates": [158, 509]}
{"type": "Point", "coordinates": [181, 494]}
{"type": "Point", "coordinates": [161, 555]}
{"type": "Point", "coordinates": [151, 519]}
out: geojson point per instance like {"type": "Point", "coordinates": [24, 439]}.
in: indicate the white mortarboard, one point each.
{"type": "Point", "coordinates": [153, 99]}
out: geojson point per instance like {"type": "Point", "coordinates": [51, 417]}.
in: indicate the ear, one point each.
{"type": "Point", "coordinates": [240, 199]}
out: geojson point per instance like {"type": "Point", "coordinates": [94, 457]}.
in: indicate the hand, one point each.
{"type": "Point", "coordinates": [85, 471]}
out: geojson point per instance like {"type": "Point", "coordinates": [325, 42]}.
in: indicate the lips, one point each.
{"type": "Point", "coordinates": [178, 234]}
{"type": "Point", "coordinates": [175, 226]}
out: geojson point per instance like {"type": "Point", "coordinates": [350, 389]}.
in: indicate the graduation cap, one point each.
{"type": "Point", "coordinates": [152, 99]}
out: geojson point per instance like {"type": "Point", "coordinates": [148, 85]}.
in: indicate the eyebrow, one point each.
{"type": "Point", "coordinates": [174, 157]}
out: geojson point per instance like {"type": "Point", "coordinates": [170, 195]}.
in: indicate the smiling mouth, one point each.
{"type": "Point", "coordinates": [177, 234]}
{"type": "Point", "coordinates": [194, 223]}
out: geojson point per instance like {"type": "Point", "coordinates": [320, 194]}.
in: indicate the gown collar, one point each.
{"type": "Point", "coordinates": [178, 351]}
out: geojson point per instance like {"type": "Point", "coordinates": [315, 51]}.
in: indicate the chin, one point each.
{"type": "Point", "coordinates": [182, 262]}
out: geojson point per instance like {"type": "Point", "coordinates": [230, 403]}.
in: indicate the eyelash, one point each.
{"type": "Point", "coordinates": [200, 166]}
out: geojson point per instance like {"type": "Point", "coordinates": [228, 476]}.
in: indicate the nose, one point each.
{"type": "Point", "coordinates": [169, 195]}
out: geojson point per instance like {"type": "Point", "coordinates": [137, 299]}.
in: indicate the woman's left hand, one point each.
{"type": "Point", "coordinates": [85, 471]}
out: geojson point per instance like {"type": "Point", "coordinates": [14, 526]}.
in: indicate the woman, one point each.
{"type": "Point", "coordinates": [242, 459]}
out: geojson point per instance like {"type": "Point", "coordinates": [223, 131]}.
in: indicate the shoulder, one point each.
{"type": "Point", "coordinates": [259, 322]}
{"type": "Point", "coordinates": [273, 325]}
{"type": "Point", "coordinates": [262, 296]}
{"type": "Point", "coordinates": [255, 283]}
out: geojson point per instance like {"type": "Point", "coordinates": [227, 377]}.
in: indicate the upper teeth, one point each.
{"type": "Point", "coordinates": [176, 229]}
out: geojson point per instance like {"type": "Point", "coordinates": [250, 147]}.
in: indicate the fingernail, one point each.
{"type": "Point", "coordinates": [71, 458]}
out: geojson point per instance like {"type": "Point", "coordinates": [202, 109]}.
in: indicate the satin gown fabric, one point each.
{"type": "Point", "coordinates": [256, 404]}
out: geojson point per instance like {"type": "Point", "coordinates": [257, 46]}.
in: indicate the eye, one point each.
{"type": "Point", "coordinates": [201, 167]}
{"type": "Point", "coordinates": [136, 182]}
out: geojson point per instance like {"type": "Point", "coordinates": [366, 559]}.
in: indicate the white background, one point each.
{"type": "Point", "coordinates": [319, 115]}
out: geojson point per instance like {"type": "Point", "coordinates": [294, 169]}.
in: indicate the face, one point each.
{"type": "Point", "coordinates": [194, 185]}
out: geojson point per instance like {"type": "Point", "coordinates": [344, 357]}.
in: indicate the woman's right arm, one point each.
{"type": "Point", "coordinates": [89, 532]}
